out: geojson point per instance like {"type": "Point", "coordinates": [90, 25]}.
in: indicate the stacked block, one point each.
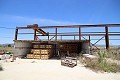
{"type": "Point", "coordinates": [40, 52]}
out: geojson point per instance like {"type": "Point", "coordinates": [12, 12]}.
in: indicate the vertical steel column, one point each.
{"type": "Point", "coordinates": [61, 38]}
{"type": "Point", "coordinates": [107, 37]}
{"type": "Point", "coordinates": [35, 35]}
{"type": "Point", "coordinates": [55, 34]}
{"type": "Point", "coordinates": [16, 34]}
{"type": "Point", "coordinates": [74, 37]}
{"type": "Point", "coordinates": [56, 45]}
{"type": "Point", "coordinates": [89, 40]}
{"type": "Point", "coordinates": [79, 33]}
{"type": "Point", "coordinates": [48, 36]}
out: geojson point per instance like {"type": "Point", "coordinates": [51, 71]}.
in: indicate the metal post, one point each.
{"type": "Point", "coordinates": [55, 41]}
{"type": "Point", "coordinates": [79, 33]}
{"type": "Point", "coordinates": [35, 34]}
{"type": "Point", "coordinates": [107, 37]}
{"type": "Point", "coordinates": [55, 34]}
{"type": "Point", "coordinates": [74, 37]}
{"type": "Point", "coordinates": [61, 38]}
{"type": "Point", "coordinates": [89, 40]}
{"type": "Point", "coordinates": [48, 36]}
{"type": "Point", "coordinates": [16, 34]}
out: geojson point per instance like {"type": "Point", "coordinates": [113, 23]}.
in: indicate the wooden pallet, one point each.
{"type": "Point", "coordinates": [44, 56]}
{"type": "Point", "coordinates": [36, 51]}
{"type": "Point", "coordinates": [41, 53]}
{"type": "Point", "coordinates": [45, 51]}
{"type": "Point", "coordinates": [37, 56]}
{"type": "Point", "coordinates": [36, 46]}
{"type": "Point", "coordinates": [48, 46]}
{"type": "Point", "coordinates": [42, 46]}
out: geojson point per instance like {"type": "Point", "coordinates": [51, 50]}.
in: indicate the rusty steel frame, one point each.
{"type": "Point", "coordinates": [35, 35]}
{"type": "Point", "coordinates": [106, 33]}
{"type": "Point", "coordinates": [16, 34]}
{"type": "Point", "coordinates": [82, 35]}
{"type": "Point", "coordinates": [70, 32]}
{"type": "Point", "coordinates": [99, 40]}
{"type": "Point", "coordinates": [90, 43]}
{"type": "Point", "coordinates": [107, 37]}
{"type": "Point", "coordinates": [74, 26]}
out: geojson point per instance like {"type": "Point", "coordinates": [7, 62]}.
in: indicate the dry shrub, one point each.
{"type": "Point", "coordinates": [101, 64]}
{"type": "Point", "coordinates": [114, 54]}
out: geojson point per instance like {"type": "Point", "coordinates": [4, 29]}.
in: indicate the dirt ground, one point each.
{"type": "Point", "coordinates": [30, 69]}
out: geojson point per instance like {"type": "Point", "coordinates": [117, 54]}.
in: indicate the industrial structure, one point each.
{"type": "Point", "coordinates": [39, 48]}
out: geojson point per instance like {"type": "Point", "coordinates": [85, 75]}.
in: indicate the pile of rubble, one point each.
{"type": "Point", "coordinates": [7, 56]}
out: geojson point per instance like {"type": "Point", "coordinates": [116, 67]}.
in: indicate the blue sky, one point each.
{"type": "Point", "coordinates": [56, 12]}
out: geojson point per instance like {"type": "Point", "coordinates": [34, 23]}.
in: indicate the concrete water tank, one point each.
{"type": "Point", "coordinates": [85, 47]}
{"type": "Point", "coordinates": [22, 48]}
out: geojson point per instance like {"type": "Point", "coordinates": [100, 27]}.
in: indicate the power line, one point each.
{"type": "Point", "coordinates": [7, 28]}
{"type": "Point", "coordinates": [7, 37]}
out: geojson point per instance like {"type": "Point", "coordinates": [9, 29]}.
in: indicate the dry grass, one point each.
{"type": "Point", "coordinates": [5, 49]}
{"type": "Point", "coordinates": [103, 67]}
{"type": "Point", "coordinates": [102, 64]}
{"type": "Point", "coordinates": [114, 53]}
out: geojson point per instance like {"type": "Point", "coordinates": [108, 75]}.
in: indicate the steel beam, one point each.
{"type": "Point", "coordinates": [89, 41]}
{"type": "Point", "coordinates": [79, 33]}
{"type": "Point", "coordinates": [48, 36]}
{"type": "Point", "coordinates": [16, 34]}
{"type": "Point", "coordinates": [74, 37]}
{"type": "Point", "coordinates": [83, 35]}
{"type": "Point", "coordinates": [82, 26]}
{"type": "Point", "coordinates": [91, 44]}
{"type": "Point", "coordinates": [35, 35]}
{"type": "Point", "coordinates": [68, 33]}
{"type": "Point", "coordinates": [107, 37]}
{"type": "Point", "coordinates": [74, 26]}
{"type": "Point", "coordinates": [99, 40]}
{"type": "Point", "coordinates": [52, 37]}
{"type": "Point", "coordinates": [55, 34]}
{"type": "Point", "coordinates": [61, 38]}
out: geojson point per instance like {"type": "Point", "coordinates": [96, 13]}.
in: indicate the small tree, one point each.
{"type": "Point", "coordinates": [9, 45]}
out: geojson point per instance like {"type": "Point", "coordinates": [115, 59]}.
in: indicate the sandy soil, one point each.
{"type": "Point", "coordinates": [29, 69]}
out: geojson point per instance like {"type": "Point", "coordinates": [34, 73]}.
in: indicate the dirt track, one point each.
{"type": "Point", "coordinates": [50, 70]}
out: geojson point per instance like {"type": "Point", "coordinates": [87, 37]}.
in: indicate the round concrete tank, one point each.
{"type": "Point", "coordinates": [85, 47]}
{"type": "Point", "coordinates": [22, 48]}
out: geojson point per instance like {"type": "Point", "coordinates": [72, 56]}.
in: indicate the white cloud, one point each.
{"type": "Point", "coordinates": [31, 20]}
